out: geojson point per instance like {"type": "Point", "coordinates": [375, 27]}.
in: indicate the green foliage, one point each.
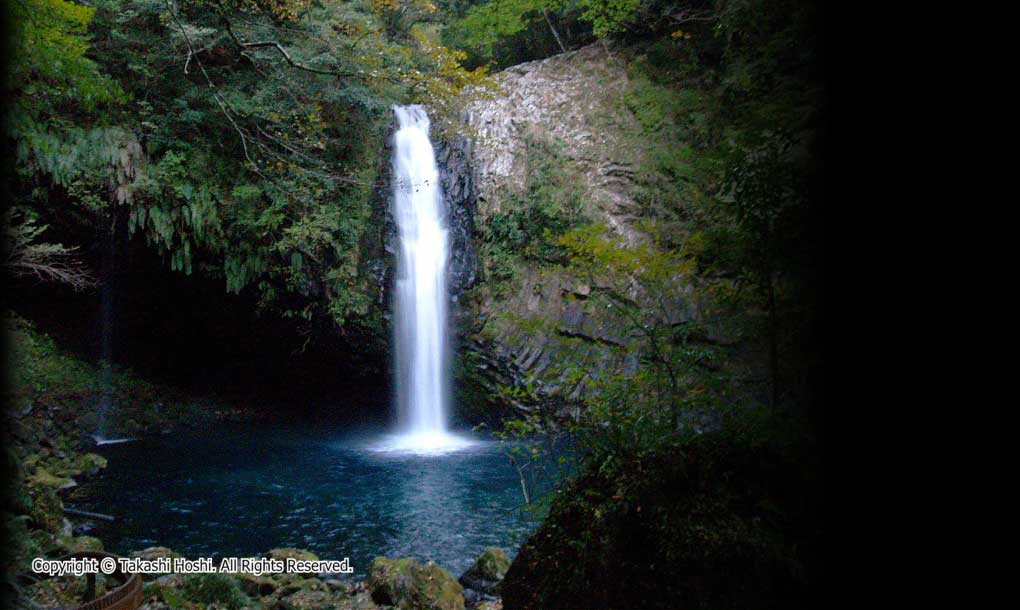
{"type": "Point", "coordinates": [442, 91]}
{"type": "Point", "coordinates": [26, 255]}
{"type": "Point", "coordinates": [646, 292]}
{"type": "Point", "coordinates": [608, 16]}
{"type": "Point", "coordinates": [49, 70]}
{"type": "Point", "coordinates": [239, 138]}
{"type": "Point", "coordinates": [43, 375]}
{"type": "Point", "coordinates": [219, 589]}
{"type": "Point", "coordinates": [711, 525]}
{"type": "Point", "coordinates": [24, 545]}
{"type": "Point", "coordinates": [506, 32]}
{"type": "Point", "coordinates": [538, 455]}
{"type": "Point", "coordinates": [531, 221]}
{"type": "Point", "coordinates": [485, 24]}
{"type": "Point", "coordinates": [37, 365]}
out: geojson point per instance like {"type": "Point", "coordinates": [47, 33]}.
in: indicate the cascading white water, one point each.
{"type": "Point", "coordinates": [421, 294]}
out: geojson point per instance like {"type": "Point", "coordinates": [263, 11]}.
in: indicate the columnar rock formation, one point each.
{"type": "Point", "coordinates": [574, 102]}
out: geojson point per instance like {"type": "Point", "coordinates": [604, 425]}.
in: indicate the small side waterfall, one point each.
{"type": "Point", "coordinates": [421, 290]}
{"type": "Point", "coordinates": [107, 306]}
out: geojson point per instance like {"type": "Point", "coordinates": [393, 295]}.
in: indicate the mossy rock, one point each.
{"type": "Point", "coordinates": [30, 462]}
{"type": "Point", "coordinates": [152, 553]}
{"type": "Point", "coordinates": [220, 589]}
{"type": "Point", "coordinates": [19, 500]}
{"type": "Point", "coordinates": [486, 572]}
{"type": "Point", "coordinates": [256, 586]}
{"type": "Point", "coordinates": [303, 584]}
{"type": "Point", "coordinates": [310, 600]}
{"type": "Point", "coordinates": [24, 546]}
{"type": "Point", "coordinates": [47, 511]}
{"type": "Point", "coordinates": [165, 592]}
{"type": "Point", "coordinates": [170, 581]}
{"type": "Point", "coordinates": [45, 478]}
{"type": "Point", "coordinates": [410, 585]}
{"type": "Point", "coordinates": [155, 605]}
{"type": "Point", "coordinates": [90, 463]}
{"type": "Point", "coordinates": [289, 553]}
{"type": "Point", "coordinates": [360, 600]}
{"type": "Point", "coordinates": [75, 544]}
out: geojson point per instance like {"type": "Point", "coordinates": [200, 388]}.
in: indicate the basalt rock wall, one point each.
{"type": "Point", "coordinates": [572, 100]}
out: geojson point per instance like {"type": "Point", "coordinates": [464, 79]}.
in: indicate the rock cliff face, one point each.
{"type": "Point", "coordinates": [456, 180]}
{"type": "Point", "coordinates": [380, 245]}
{"type": "Point", "coordinates": [574, 101]}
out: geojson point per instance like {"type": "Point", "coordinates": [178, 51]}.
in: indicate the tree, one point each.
{"type": "Point", "coordinates": [26, 256]}
{"type": "Point", "coordinates": [258, 123]}
{"type": "Point", "coordinates": [767, 190]}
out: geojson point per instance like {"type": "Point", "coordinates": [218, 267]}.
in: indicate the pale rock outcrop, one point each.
{"type": "Point", "coordinates": [574, 99]}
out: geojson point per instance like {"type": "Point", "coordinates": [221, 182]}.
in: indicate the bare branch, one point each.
{"type": "Point", "coordinates": [212, 87]}
{"type": "Point", "coordinates": [45, 262]}
{"type": "Point", "coordinates": [286, 55]}
{"type": "Point", "coordinates": [687, 15]}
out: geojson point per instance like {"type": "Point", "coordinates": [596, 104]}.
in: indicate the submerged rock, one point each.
{"type": "Point", "coordinates": [410, 585]}
{"type": "Point", "coordinates": [487, 571]}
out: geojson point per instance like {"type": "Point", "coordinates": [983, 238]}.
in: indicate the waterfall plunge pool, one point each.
{"type": "Point", "coordinates": [423, 492]}
{"type": "Point", "coordinates": [243, 490]}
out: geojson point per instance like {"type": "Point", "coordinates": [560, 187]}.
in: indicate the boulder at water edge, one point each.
{"type": "Point", "coordinates": [490, 568]}
{"type": "Point", "coordinates": [409, 585]}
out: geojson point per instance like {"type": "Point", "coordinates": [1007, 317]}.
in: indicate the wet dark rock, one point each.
{"type": "Point", "coordinates": [83, 528]}
{"type": "Point", "coordinates": [381, 243]}
{"type": "Point", "coordinates": [453, 158]}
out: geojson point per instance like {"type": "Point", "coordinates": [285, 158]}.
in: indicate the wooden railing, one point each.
{"type": "Point", "coordinates": [126, 596]}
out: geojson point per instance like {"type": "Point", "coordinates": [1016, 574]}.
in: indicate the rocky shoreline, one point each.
{"type": "Point", "coordinates": [47, 530]}
{"type": "Point", "coordinates": [403, 583]}
{"type": "Point", "coordinates": [48, 454]}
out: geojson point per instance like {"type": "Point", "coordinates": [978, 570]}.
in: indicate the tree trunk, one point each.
{"type": "Point", "coordinates": [559, 41]}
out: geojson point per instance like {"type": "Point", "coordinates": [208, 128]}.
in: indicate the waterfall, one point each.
{"type": "Point", "coordinates": [107, 308]}
{"type": "Point", "coordinates": [421, 290]}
